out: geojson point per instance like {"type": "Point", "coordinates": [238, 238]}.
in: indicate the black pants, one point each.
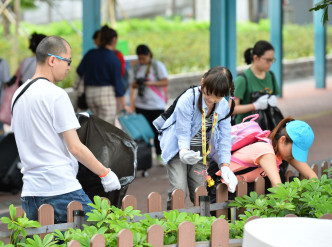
{"type": "Point", "coordinates": [151, 115]}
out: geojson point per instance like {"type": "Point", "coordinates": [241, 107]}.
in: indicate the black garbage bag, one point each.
{"type": "Point", "coordinates": [269, 118]}
{"type": "Point", "coordinates": [114, 149]}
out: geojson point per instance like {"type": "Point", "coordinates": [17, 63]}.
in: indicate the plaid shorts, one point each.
{"type": "Point", "coordinates": [102, 102]}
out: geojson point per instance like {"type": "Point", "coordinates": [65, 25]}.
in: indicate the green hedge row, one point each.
{"type": "Point", "coordinates": [182, 45]}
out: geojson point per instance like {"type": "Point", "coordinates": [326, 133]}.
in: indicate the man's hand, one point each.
{"type": "Point", "coordinates": [110, 182]}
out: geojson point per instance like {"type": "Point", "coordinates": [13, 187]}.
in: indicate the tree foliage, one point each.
{"type": "Point", "coordinates": [325, 6]}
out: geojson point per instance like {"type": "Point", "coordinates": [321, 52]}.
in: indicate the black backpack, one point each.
{"type": "Point", "coordinates": [165, 115]}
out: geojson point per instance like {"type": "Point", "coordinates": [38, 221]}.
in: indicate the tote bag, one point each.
{"type": "Point", "coordinates": [8, 93]}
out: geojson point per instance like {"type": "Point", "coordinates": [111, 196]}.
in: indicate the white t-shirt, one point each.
{"type": "Point", "coordinates": [40, 115]}
{"type": "Point", "coordinates": [153, 96]}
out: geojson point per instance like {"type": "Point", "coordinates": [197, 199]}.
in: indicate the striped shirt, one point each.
{"type": "Point", "coordinates": [197, 139]}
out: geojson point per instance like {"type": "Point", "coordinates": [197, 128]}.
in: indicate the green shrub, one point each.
{"type": "Point", "coordinates": [182, 45]}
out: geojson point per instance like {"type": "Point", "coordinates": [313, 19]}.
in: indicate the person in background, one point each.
{"type": "Point", "coordinates": [200, 119]}
{"type": "Point", "coordinates": [4, 78]}
{"type": "Point", "coordinates": [261, 56]}
{"type": "Point", "coordinates": [119, 55]}
{"type": "Point", "coordinates": [147, 96]}
{"type": "Point", "coordinates": [101, 70]}
{"type": "Point", "coordinates": [44, 124]}
{"type": "Point", "coordinates": [28, 65]}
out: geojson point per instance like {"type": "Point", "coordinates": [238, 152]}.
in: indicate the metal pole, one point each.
{"type": "Point", "coordinates": [78, 218]}
{"type": "Point", "coordinates": [223, 34]}
{"type": "Point", "coordinates": [275, 12]}
{"type": "Point", "coordinates": [320, 49]}
{"type": "Point", "coordinates": [204, 204]}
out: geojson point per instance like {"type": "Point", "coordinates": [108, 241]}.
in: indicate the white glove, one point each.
{"type": "Point", "coordinates": [272, 101]}
{"type": "Point", "coordinates": [261, 103]}
{"type": "Point", "coordinates": [189, 156]}
{"type": "Point", "coordinates": [110, 182]}
{"type": "Point", "coordinates": [229, 178]}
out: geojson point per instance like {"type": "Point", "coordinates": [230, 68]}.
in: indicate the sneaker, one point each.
{"type": "Point", "coordinates": [160, 161]}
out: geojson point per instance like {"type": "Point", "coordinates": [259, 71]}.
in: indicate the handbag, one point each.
{"type": "Point", "coordinates": [5, 107]}
{"type": "Point", "coordinates": [136, 126]}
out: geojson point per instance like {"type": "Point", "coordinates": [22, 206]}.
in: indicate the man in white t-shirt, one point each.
{"type": "Point", "coordinates": [44, 124]}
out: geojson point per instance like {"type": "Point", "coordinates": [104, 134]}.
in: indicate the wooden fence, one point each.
{"type": "Point", "coordinates": [186, 230]}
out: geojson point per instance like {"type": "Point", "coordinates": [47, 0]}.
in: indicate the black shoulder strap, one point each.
{"type": "Point", "coordinates": [24, 89]}
{"type": "Point", "coordinates": [246, 81]}
{"type": "Point", "coordinates": [273, 81]}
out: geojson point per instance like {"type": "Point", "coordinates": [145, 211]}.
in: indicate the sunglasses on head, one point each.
{"type": "Point", "coordinates": [61, 58]}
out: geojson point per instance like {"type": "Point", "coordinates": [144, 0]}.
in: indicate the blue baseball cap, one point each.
{"type": "Point", "coordinates": [302, 136]}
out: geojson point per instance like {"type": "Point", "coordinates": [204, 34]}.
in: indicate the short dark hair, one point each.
{"type": "Point", "coordinates": [95, 34]}
{"type": "Point", "coordinates": [259, 49]}
{"type": "Point", "coordinates": [34, 40]}
{"type": "Point", "coordinates": [106, 35]}
{"type": "Point", "coordinates": [143, 50]}
{"type": "Point", "coordinates": [52, 44]}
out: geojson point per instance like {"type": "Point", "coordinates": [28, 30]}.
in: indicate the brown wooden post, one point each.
{"type": "Point", "coordinates": [324, 166]}
{"type": "Point", "coordinates": [154, 202]}
{"type": "Point", "coordinates": [74, 243]}
{"type": "Point", "coordinates": [289, 174]}
{"type": "Point", "coordinates": [326, 217]}
{"type": "Point", "coordinates": [199, 191]}
{"type": "Point", "coordinates": [291, 215]}
{"type": "Point", "coordinates": [45, 216]}
{"type": "Point", "coordinates": [129, 200]}
{"type": "Point", "coordinates": [125, 238]}
{"type": "Point", "coordinates": [186, 234]}
{"type": "Point", "coordinates": [260, 185]}
{"type": "Point", "coordinates": [19, 212]}
{"type": "Point", "coordinates": [315, 169]}
{"type": "Point", "coordinates": [301, 177]}
{"type": "Point", "coordinates": [74, 205]}
{"type": "Point", "coordinates": [97, 240]}
{"type": "Point", "coordinates": [219, 233]}
{"type": "Point", "coordinates": [252, 218]}
{"type": "Point", "coordinates": [155, 236]}
{"type": "Point", "coordinates": [109, 202]}
{"type": "Point", "coordinates": [241, 190]}
{"type": "Point", "coordinates": [177, 199]}
{"type": "Point", "coordinates": [222, 196]}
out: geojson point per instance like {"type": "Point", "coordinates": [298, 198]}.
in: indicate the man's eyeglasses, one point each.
{"type": "Point", "coordinates": [269, 60]}
{"type": "Point", "coordinates": [62, 58]}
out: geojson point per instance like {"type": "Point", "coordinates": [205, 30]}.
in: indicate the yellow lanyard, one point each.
{"type": "Point", "coordinates": [215, 119]}
{"type": "Point", "coordinates": [209, 180]}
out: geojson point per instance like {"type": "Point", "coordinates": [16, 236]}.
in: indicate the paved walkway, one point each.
{"type": "Point", "coordinates": [301, 100]}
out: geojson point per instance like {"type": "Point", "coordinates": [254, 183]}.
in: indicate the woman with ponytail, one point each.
{"type": "Point", "coordinates": [257, 78]}
{"type": "Point", "coordinates": [201, 118]}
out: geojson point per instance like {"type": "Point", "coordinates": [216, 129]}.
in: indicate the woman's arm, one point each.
{"type": "Point", "coordinates": [269, 165]}
{"type": "Point", "coordinates": [161, 83]}
{"type": "Point", "coordinates": [303, 168]}
{"type": "Point", "coordinates": [132, 96]}
{"type": "Point", "coordinates": [239, 109]}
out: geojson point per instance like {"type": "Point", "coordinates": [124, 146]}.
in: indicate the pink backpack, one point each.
{"type": "Point", "coordinates": [246, 133]}
{"type": "Point", "coordinates": [243, 134]}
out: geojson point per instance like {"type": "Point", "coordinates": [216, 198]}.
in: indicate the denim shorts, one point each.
{"type": "Point", "coordinates": [31, 204]}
